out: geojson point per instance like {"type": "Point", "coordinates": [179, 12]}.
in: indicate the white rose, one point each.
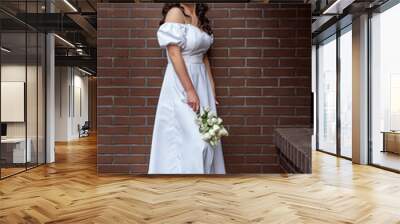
{"type": "Point", "coordinates": [198, 121]}
{"type": "Point", "coordinates": [209, 122]}
{"type": "Point", "coordinates": [219, 121]}
{"type": "Point", "coordinates": [203, 128]}
{"type": "Point", "coordinates": [214, 120]}
{"type": "Point", "coordinates": [224, 132]}
{"type": "Point", "coordinates": [207, 109]}
{"type": "Point", "coordinates": [211, 132]}
{"type": "Point", "coordinates": [206, 136]}
{"type": "Point", "coordinates": [216, 127]}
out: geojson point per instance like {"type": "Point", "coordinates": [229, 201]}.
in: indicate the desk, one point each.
{"type": "Point", "coordinates": [17, 147]}
{"type": "Point", "coordinates": [391, 141]}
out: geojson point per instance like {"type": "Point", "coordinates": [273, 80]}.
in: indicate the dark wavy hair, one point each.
{"type": "Point", "coordinates": [201, 10]}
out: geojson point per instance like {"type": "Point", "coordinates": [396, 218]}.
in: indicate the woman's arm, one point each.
{"type": "Point", "coordinates": [175, 15]}
{"type": "Point", "coordinates": [210, 76]}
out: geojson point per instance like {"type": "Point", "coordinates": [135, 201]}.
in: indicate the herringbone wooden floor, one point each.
{"type": "Point", "coordinates": [71, 192]}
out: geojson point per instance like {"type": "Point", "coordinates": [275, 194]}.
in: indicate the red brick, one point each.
{"type": "Point", "coordinates": [113, 149]}
{"type": "Point", "coordinates": [145, 53]}
{"type": "Point", "coordinates": [261, 43]}
{"type": "Point", "coordinates": [279, 53]}
{"type": "Point", "coordinates": [245, 91]}
{"type": "Point", "coordinates": [245, 53]}
{"type": "Point", "coordinates": [129, 101]}
{"type": "Point", "coordinates": [278, 111]}
{"type": "Point", "coordinates": [256, 23]}
{"type": "Point", "coordinates": [262, 159]}
{"type": "Point", "coordinates": [265, 101]}
{"type": "Point", "coordinates": [245, 131]}
{"type": "Point", "coordinates": [229, 23]}
{"type": "Point", "coordinates": [113, 92]}
{"type": "Point", "coordinates": [299, 121]}
{"type": "Point", "coordinates": [262, 62]}
{"type": "Point", "coordinates": [115, 131]}
{"type": "Point", "coordinates": [112, 33]}
{"type": "Point", "coordinates": [229, 82]}
{"type": "Point", "coordinates": [262, 120]}
{"type": "Point", "coordinates": [145, 91]}
{"type": "Point", "coordinates": [246, 72]}
{"type": "Point", "coordinates": [228, 62]}
{"type": "Point", "coordinates": [262, 82]}
{"type": "Point", "coordinates": [121, 63]}
{"type": "Point", "coordinates": [278, 92]}
{"type": "Point", "coordinates": [218, 13]}
{"type": "Point", "coordinates": [128, 120]}
{"type": "Point", "coordinates": [145, 13]}
{"type": "Point", "coordinates": [128, 43]}
{"type": "Point", "coordinates": [125, 159]}
{"type": "Point", "coordinates": [220, 42]}
{"type": "Point", "coordinates": [243, 13]}
{"type": "Point", "coordinates": [280, 13]}
{"type": "Point", "coordinates": [246, 33]}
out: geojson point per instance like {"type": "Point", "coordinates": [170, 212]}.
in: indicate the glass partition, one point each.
{"type": "Point", "coordinates": [385, 89]}
{"type": "Point", "coordinates": [326, 99]}
{"type": "Point", "coordinates": [346, 92]}
{"type": "Point", "coordinates": [22, 88]}
{"type": "Point", "coordinates": [14, 153]}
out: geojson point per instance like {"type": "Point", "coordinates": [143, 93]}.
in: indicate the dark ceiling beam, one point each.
{"type": "Point", "coordinates": [49, 22]}
{"type": "Point", "coordinates": [79, 61]}
{"type": "Point", "coordinates": [84, 24]}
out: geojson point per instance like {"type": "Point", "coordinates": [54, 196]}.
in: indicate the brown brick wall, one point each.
{"type": "Point", "coordinates": [261, 62]}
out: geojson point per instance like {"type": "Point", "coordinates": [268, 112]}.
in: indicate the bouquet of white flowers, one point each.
{"type": "Point", "coordinates": [210, 126]}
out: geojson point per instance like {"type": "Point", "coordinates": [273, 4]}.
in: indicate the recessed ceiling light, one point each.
{"type": "Point", "coordinates": [84, 71]}
{"type": "Point", "coordinates": [5, 50]}
{"type": "Point", "coordinates": [338, 6]}
{"type": "Point", "coordinates": [70, 5]}
{"type": "Point", "coordinates": [64, 40]}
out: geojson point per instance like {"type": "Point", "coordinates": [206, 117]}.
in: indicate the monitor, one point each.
{"type": "Point", "coordinates": [3, 129]}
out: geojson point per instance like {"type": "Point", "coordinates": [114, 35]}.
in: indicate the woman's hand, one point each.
{"type": "Point", "coordinates": [193, 100]}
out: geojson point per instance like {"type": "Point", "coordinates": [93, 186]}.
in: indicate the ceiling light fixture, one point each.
{"type": "Point", "coordinates": [337, 7]}
{"type": "Point", "coordinates": [64, 40]}
{"type": "Point", "coordinates": [84, 71]}
{"type": "Point", "coordinates": [5, 50]}
{"type": "Point", "coordinates": [70, 5]}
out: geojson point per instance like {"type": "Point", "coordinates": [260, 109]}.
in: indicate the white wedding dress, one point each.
{"type": "Point", "coordinates": [177, 147]}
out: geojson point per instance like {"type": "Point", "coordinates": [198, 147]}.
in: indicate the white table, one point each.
{"type": "Point", "coordinates": [19, 153]}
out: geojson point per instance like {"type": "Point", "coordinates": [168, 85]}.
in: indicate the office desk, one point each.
{"type": "Point", "coordinates": [16, 146]}
{"type": "Point", "coordinates": [391, 142]}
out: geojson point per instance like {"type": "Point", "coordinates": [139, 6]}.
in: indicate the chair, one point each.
{"type": "Point", "coordinates": [84, 130]}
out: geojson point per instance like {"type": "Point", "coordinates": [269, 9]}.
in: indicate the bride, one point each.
{"type": "Point", "coordinates": [188, 86]}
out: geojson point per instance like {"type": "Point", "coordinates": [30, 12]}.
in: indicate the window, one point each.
{"type": "Point", "coordinates": [385, 89]}
{"type": "Point", "coordinates": [346, 92]}
{"type": "Point", "coordinates": [334, 106]}
{"type": "Point", "coordinates": [326, 99]}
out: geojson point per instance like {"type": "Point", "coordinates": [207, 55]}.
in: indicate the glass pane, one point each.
{"type": "Point", "coordinates": [327, 96]}
{"type": "Point", "coordinates": [32, 87]}
{"type": "Point", "coordinates": [346, 94]}
{"type": "Point", "coordinates": [13, 86]}
{"type": "Point", "coordinates": [41, 98]}
{"type": "Point", "coordinates": [31, 98]}
{"type": "Point", "coordinates": [385, 114]}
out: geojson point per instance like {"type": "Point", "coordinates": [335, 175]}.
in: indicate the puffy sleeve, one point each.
{"type": "Point", "coordinates": [172, 33]}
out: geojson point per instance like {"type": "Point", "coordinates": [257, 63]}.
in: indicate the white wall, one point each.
{"type": "Point", "coordinates": [71, 93]}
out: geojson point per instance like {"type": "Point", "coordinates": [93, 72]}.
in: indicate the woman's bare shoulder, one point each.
{"type": "Point", "coordinates": [175, 15]}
